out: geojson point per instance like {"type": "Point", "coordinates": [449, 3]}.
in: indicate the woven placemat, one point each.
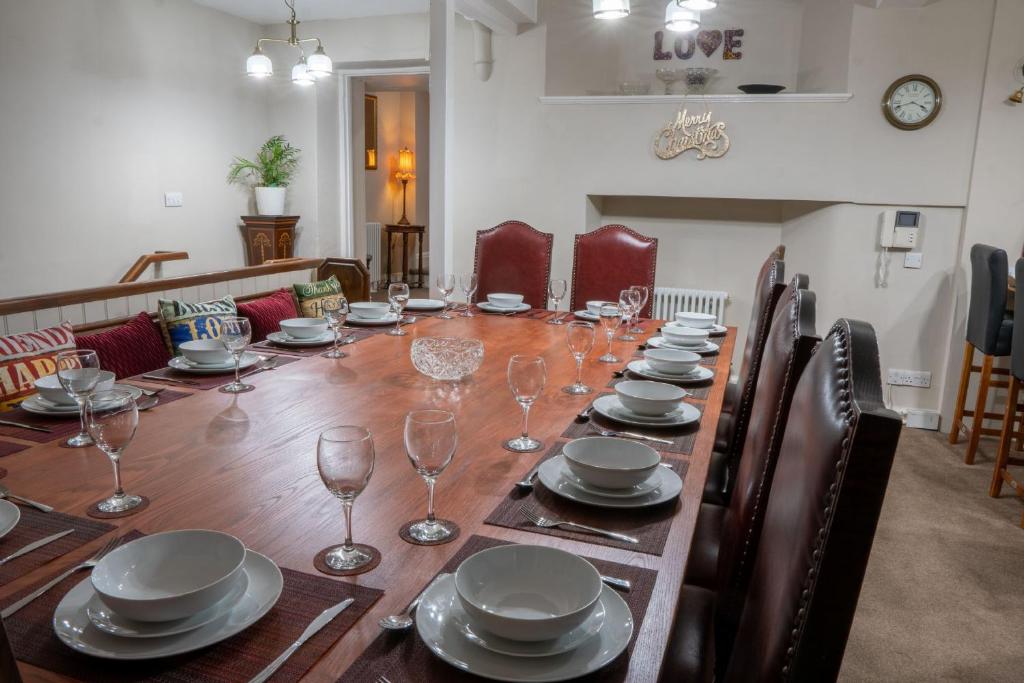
{"type": "Point", "coordinates": [163, 397]}
{"type": "Point", "coordinates": [404, 534]}
{"type": "Point", "coordinates": [60, 427]}
{"type": "Point", "coordinates": [205, 382]}
{"type": "Point", "coordinates": [402, 657]}
{"type": "Point", "coordinates": [8, 448]}
{"type": "Point", "coordinates": [698, 392]}
{"type": "Point", "coordinates": [682, 438]}
{"type": "Point", "coordinates": [235, 660]}
{"type": "Point", "coordinates": [35, 525]}
{"type": "Point", "coordinates": [320, 561]}
{"type": "Point", "coordinates": [95, 512]}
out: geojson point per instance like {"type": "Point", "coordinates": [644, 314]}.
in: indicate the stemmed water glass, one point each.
{"type": "Point", "coordinates": [335, 310]}
{"type": "Point", "coordinates": [398, 295]}
{"type": "Point", "coordinates": [611, 318]}
{"type": "Point", "coordinates": [580, 337]}
{"type": "Point", "coordinates": [430, 441]}
{"type": "Point", "coordinates": [468, 283]}
{"type": "Point", "coordinates": [235, 335]}
{"type": "Point", "coordinates": [629, 302]}
{"type": "Point", "coordinates": [78, 372]}
{"type": "Point", "coordinates": [645, 294]}
{"type": "Point", "coordinates": [112, 417]}
{"type": "Point", "coordinates": [526, 378]}
{"type": "Point", "coordinates": [344, 458]}
{"type": "Point", "coordinates": [557, 290]}
{"type": "Point", "coordinates": [446, 285]}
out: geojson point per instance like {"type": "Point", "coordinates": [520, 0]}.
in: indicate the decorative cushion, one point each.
{"type": "Point", "coordinates": [131, 349]}
{"type": "Point", "coordinates": [181, 321]}
{"type": "Point", "coordinates": [309, 295]}
{"type": "Point", "coordinates": [265, 314]}
{"type": "Point", "coordinates": [26, 357]}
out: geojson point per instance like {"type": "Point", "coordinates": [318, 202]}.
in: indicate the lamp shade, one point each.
{"type": "Point", "coordinates": [697, 5]}
{"type": "Point", "coordinates": [680, 19]}
{"type": "Point", "coordinates": [406, 164]}
{"type": "Point", "coordinates": [259, 65]}
{"type": "Point", "coordinates": [300, 73]}
{"type": "Point", "coordinates": [611, 9]}
{"type": "Point", "coordinates": [319, 64]}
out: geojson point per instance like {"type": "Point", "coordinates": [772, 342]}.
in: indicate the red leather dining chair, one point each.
{"type": "Point", "coordinates": [609, 260]}
{"type": "Point", "coordinates": [513, 257]}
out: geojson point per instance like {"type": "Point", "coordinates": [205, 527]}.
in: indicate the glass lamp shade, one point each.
{"type": "Point", "coordinates": [259, 65]}
{"type": "Point", "coordinates": [300, 74]}
{"type": "Point", "coordinates": [319, 64]}
{"type": "Point", "coordinates": [611, 9]}
{"type": "Point", "coordinates": [697, 5]}
{"type": "Point", "coordinates": [681, 20]}
{"type": "Point", "coordinates": [406, 164]}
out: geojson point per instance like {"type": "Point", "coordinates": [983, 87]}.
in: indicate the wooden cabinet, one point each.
{"type": "Point", "coordinates": [268, 237]}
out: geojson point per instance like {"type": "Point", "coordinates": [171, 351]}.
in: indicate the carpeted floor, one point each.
{"type": "Point", "coordinates": [943, 598]}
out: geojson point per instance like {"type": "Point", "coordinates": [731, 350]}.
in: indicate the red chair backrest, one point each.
{"type": "Point", "coordinates": [609, 260]}
{"type": "Point", "coordinates": [514, 257]}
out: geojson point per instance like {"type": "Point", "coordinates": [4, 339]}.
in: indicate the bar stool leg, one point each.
{"type": "Point", "coordinates": [1003, 454]}
{"type": "Point", "coordinates": [978, 419]}
{"type": "Point", "coordinates": [961, 396]}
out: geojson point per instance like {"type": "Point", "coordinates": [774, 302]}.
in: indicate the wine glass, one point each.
{"type": "Point", "coordinates": [469, 283]}
{"type": "Point", "coordinates": [557, 290]}
{"type": "Point", "coordinates": [611, 318]}
{"type": "Point", "coordinates": [113, 417]}
{"type": "Point", "coordinates": [235, 334]}
{"type": "Point", "coordinates": [78, 371]}
{"type": "Point", "coordinates": [580, 337]}
{"type": "Point", "coordinates": [335, 310]}
{"type": "Point", "coordinates": [629, 302]}
{"type": "Point", "coordinates": [398, 295]}
{"type": "Point", "coordinates": [344, 458]}
{"type": "Point", "coordinates": [526, 378]}
{"type": "Point", "coordinates": [645, 294]}
{"type": "Point", "coordinates": [430, 441]}
{"type": "Point", "coordinates": [446, 285]}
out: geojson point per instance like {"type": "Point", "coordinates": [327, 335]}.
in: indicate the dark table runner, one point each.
{"type": "Point", "coordinates": [403, 657]}
{"type": "Point", "coordinates": [8, 448]}
{"type": "Point", "coordinates": [682, 438]}
{"type": "Point", "coordinates": [236, 659]}
{"type": "Point", "coordinates": [35, 525]}
{"type": "Point", "coordinates": [60, 427]}
{"type": "Point", "coordinates": [650, 525]}
{"type": "Point", "coordinates": [205, 382]}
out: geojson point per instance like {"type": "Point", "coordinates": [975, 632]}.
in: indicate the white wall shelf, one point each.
{"type": "Point", "coordinates": [782, 98]}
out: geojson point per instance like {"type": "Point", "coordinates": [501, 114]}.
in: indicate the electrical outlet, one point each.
{"type": "Point", "coordinates": [174, 199]}
{"type": "Point", "coordinates": [910, 378]}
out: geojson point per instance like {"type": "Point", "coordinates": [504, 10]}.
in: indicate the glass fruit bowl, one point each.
{"type": "Point", "coordinates": [450, 358]}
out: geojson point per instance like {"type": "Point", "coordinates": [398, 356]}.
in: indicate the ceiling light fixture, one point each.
{"type": "Point", "coordinates": [680, 19]}
{"type": "Point", "coordinates": [611, 9]}
{"type": "Point", "coordinates": [697, 5]}
{"type": "Point", "coordinates": [317, 65]}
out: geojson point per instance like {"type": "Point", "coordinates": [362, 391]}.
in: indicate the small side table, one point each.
{"type": "Point", "coordinates": [268, 237]}
{"type": "Point", "coordinates": [405, 231]}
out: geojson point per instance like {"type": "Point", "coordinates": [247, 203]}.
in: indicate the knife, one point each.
{"type": "Point", "coordinates": [325, 618]}
{"type": "Point", "coordinates": [35, 544]}
{"type": "Point", "coordinates": [19, 425]}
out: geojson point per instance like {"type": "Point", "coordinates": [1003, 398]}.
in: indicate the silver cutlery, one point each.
{"type": "Point", "coordinates": [546, 523]}
{"type": "Point", "coordinates": [584, 415]}
{"type": "Point", "coordinates": [34, 545]}
{"type": "Point", "coordinates": [527, 481]}
{"type": "Point", "coordinates": [161, 378]}
{"type": "Point", "coordinates": [21, 425]}
{"type": "Point", "coordinates": [383, 679]}
{"type": "Point", "coordinates": [403, 621]}
{"type": "Point", "coordinates": [632, 435]}
{"type": "Point", "coordinates": [6, 493]}
{"type": "Point", "coordinates": [150, 392]}
{"type": "Point", "coordinates": [87, 564]}
{"type": "Point", "coordinates": [267, 363]}
{"type": "Point", "coordinates": [614, 582]}
{"type": "Point", "coordinates": [314, 627]}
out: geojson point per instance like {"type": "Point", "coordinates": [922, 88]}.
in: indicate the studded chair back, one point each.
{"type": "Point", "coordinates": [1017, 346]}
{"type": "Point", "coordinates": [988, 327]}
{"type": "Point", "coordinates": [513, 257]}
{"type": "Point", "coordinates": [609, 260]}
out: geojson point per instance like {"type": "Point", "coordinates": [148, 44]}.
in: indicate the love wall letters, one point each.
{"type": "Point", "coordinates": [730, 40]}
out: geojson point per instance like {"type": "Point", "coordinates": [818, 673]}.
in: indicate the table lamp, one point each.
{"type": "Point", "coordinates": [406, 166]}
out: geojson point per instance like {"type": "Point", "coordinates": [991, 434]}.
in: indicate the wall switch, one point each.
{"type": "Point", "coordinates": [910, 378]}
{"type": "Point", "coordinates": [913, 259]}
{"type": "Point", "coordinates": [174, 199]}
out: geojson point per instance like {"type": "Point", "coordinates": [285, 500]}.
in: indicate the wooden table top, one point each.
{"type": "Point", "coordinates": [246, 465]}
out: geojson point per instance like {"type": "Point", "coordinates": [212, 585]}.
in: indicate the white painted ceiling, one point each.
{"type": "Point", "coordinates": [275, 12]}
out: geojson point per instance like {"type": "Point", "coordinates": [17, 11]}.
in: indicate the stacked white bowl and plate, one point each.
{"type": "Point", "coordinates": [503, 302]}
{"type": "Point", "coordinates": [671, 365]}
{"type": "Point", "coordinates": [51, 399]}
{"type": "Point", "coordinates": [701, 321]}
{"type": "Point", "coordinates": [592, 313]}
{"type": "Point", "coordinates": [524, 613]}
{"type": "Point", "coordinates": [302, 332]}
{"type": "Point", "coordinates": [644, 403]}
{"type": "Point", "coordinates": [676, 335]}
{"type": "Point", "coordinates": [424, 305]}
{"type": "Point", "coordinates": [371, 314]}
{"type": "Point", "coordinates": [209, 357]}
{"type": "Point", "coordinates": [167, 594]}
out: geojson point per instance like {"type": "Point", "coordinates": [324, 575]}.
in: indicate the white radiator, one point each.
{"type": "Point", "coordinates": [670, 300]}
{"type": "Point", "coordinates": [374, 254]}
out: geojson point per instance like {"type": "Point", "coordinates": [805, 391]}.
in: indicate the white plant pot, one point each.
{"type": "Point", "coordinates": [270, 201]}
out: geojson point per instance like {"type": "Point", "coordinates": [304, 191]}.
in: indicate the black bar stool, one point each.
{"type": "Point", "coordinates": [1001, 474]}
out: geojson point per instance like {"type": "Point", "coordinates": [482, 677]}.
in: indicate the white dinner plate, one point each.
{"type": "Point", "coordinates": [641, 489]}
{"type": "Point", "coordinates": [643, 368]}
{"type": "Point", "coordinates": [284, 339]}
{"type": "Point", "coordinates": [10, 514]}
{"type": "Point", "coordinates": [437, 629]}
{"type": "Point", "coordinates": [714, 330]}
{"type": "Point", "coordinates": [72, 625]}
{"type": "Point", "coordinates": [705, 349]}
{"type": "Point", "coordinates": [611, 407]}
{"type": "Point", "coordinates": [424, 305]}
{"type": "Point", "coordinates": [109, 621]}
{"type": "Point", "coordinates": [551, 474]}
{"type": "Point", "coordinates": [587, 315]}
{"type": "Point", "coordinates": [182, 364]}
{"type": "Point", "coordinates": [388, 319]}
{"type": "Point", "coordinates": [491, 308]}
{"type": "Point", "coordinates": [40, 406]}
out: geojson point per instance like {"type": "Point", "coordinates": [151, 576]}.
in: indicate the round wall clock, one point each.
{"type": "Point", "coordinates": [912, 102]}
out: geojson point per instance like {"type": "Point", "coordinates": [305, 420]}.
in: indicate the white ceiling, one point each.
{"type": "Point", "coordinates": [275, 12]}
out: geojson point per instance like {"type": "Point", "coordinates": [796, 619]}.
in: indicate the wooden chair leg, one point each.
{"type": "Point", "coordinates": [1009, 420]}
{"type": "Point", "coordinates": [978, 419]}
{"type": "Point", "coordinates": [961, 395]}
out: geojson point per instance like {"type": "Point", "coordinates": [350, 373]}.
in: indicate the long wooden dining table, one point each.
{"type": "Point", "coordinates": [246, 465]}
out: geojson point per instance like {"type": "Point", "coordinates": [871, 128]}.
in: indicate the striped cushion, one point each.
{"type": "Point", "coordinates": [182, 321]}
{"type": "Point", "coordinates": [131, 349]}
{"type": "Point", "coordinates": [26, 357]}
{"type": "Point", "coordinates": [266, 314]}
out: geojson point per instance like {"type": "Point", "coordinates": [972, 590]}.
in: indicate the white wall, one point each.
{"type": "Point", "coordinates": [825, 34]}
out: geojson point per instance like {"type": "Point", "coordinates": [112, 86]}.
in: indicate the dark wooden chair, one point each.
{"type": "Point", "coordinates": [609, 260]}
{"type": "Point", "coordinates": [1011, 417]}
{"type": "Point", "coordinates": [513, 257]}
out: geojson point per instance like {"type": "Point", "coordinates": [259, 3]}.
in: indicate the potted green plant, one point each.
{"type": "Point", "coordinates": [275, 165]}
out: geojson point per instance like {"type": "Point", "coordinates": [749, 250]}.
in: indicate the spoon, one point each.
{"type": "Point", "coordinates": [527, 481]}
{"type": "Point", "coordinates": [403, 622]}
{"type": "Point", "coordinates": [6, 493]}
{"type": "Point", "coordinates": [584, 415]}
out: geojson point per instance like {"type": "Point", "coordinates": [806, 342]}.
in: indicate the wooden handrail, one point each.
{"type": "Point", "coordinates": [144, 261]}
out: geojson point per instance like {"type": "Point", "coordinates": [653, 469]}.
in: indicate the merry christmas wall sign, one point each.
{"type": "Point", "coordinates": [692, 131]}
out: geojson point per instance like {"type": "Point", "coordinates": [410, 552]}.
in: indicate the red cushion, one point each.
{"type": "Point", "coordinates": [265, 314]}
{"type": "Point", "coordinates": [130, 349]}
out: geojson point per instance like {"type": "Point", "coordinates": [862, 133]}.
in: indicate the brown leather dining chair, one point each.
{"type": "Point", "coordinates": [819, 525]}
{"type": "Point", "coordinates": [609, 260]}
{"type": "Point", "coordinates": [513, 257]}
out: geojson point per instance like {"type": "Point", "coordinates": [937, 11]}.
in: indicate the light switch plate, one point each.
{"type": "Point", "coordinates": [913, 259]}
{"type": "Point", "coordinates": [174, 199]}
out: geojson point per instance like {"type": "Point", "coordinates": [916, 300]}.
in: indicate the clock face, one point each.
{"type": "Point", "coordinates": [912, 102]}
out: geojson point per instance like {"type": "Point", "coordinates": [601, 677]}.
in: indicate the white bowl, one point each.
{"type": "Point", "coordinates": [594, 307]}
{"type": "Point", "coordinates": [684, 336]}
{"type": "Point", "coordinates": [610, 463]}
{"type": "Point", "coordinates": [699, 321]}
{"type": "Point", "coordinates": [49, 388]}
{"type": "Point", "coordinates": [205, 351]}
{"type": "Point", "coordinates": [372, 310]}
{"type": "Point", "coordinates": [649, 398]}
{"type": "Point", "coordinates": [527, 592]}
{"type": "Point", "coordinates": [671, 361]}
{"type": "Point", "coordinates": [303, 328]}
{"type": "Point", "coordinates": [504, 300]}
{"type": "Point", "coordinates": [170, 575]}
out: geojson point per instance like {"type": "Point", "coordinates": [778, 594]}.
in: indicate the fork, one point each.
{"type": "Point", "coordinates": [86, 564]}
{"type": "Point", "coordinates": [533, 516]}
